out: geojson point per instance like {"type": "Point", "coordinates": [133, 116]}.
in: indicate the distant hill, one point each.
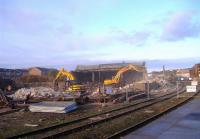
{"type": "Point", "coordinates": [151, 64]}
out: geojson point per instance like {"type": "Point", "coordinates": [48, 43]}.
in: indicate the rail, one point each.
{"type": "Point", "coordinates": [85, 122]}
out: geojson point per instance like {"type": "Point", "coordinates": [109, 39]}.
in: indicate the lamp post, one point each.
{"type": "Point", "coordinates": [147, 87]}
{"type": "Point", "coordinates": [177, 86]}
{"type": "Point", "coordinates": [148, 93]}
{"type": "Point", "coordinates": [177, 92]}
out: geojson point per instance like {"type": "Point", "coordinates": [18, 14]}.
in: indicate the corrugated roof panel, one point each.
{"type": "Point", "coordinates": [106, 66]}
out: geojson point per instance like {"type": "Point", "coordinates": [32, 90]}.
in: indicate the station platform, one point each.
{"type": "Point", "coordinates": [182, 123]}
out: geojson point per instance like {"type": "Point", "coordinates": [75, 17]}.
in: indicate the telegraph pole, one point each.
{"type": "Point", "coordinates": [177, 91]}
{"type": "Point", "coordinates": [163, 72]}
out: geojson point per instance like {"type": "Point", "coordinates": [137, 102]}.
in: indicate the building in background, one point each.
{"type": "Point", "coordinates": [98, 73]}
{"type": "Point", "coordinates": [183, 73]}
{"type": "Point", "coordinates": [37, 71]}
{"type": "Point", "coordinates": [195, 71]}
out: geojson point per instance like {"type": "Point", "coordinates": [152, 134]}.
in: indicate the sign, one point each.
{"type": "Point", "coordinates": [191, 88]}
{"type": "Point", "coordinates": [194, 83]}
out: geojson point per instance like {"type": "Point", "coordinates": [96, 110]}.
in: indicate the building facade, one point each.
{"type": "Point", "coordinates": [99, 73]}
{"type": "Point", "coordinates": [37, 71]}
{"type": "Point", "coordinates": [195, 71]}
{"type": "Point", "coordinates": [183, 73]}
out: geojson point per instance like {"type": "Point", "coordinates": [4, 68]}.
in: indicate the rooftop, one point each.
{"type": "Point", "coordinates": [104, 67]}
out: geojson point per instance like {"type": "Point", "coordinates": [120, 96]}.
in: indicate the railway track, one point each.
{"type": "Point", "coordinates": [9, 111]}
{"type": "Point", "coordinates": [130, 129]}
{"type": "Point", "coordinates": [86, 122]}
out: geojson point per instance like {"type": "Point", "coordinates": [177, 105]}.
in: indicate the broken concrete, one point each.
{"type": "Point", "coordinates": [37, 92]}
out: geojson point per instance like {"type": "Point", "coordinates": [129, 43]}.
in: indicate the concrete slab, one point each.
{"type": "Point", "coordinates": [53, 106]}
{"type": "Point", "coordinates": [182, 123]}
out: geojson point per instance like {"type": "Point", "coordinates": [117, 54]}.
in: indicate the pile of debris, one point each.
{"type": "Point", "coordinates": [165, 86]}
{"type": "Point", "coordinates": [36, 92]}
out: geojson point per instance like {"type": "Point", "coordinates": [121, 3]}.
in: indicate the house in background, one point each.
{"type": "Point", "coordinates": [37, 71]}
{"type": "Point", "coordinates": [183, 73]}
{"type": "Point", "coordinates": [195, 71]}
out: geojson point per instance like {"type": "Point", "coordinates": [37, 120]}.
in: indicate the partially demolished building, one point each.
{"type": "Point", "coordinates": [98, 73]}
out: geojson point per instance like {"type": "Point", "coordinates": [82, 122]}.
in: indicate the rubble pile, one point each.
{"type": "Point", "coordinates": [165, 86]}
{"type": "Point", "coordinates": [36, 92]}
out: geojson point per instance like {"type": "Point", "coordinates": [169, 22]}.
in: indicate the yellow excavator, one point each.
{"type": "Point", "coordinates": [73, 85]}
{"type": "Point", "coordinates": [116, 78]}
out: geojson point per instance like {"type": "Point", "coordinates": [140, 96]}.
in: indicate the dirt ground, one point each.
{"type": "Point", "coordinates": [23, 121]}
{"type": "Point", "coordinates": [15, 123]}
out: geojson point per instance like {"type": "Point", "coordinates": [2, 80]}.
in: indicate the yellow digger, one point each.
{"type": "Point", "coordinates": [109, 83]}
{"type": "Point", "coordinates": [116, 78]}
{"type": "Point", "coordinates": [73, 85]}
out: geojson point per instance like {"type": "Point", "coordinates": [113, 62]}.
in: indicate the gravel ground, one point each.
{"type": "Point", "coordinates": [105, 129]}
{"type": "Point", "coordinates": [14, 123]}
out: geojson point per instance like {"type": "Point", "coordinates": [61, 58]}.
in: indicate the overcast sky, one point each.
{"type": "Point", "coordinates": [70, 32]}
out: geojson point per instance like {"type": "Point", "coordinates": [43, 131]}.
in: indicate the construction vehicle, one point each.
{"type": "Point", "coordinates": [116, 78]}
{"type": "Point", "coordinates": [72, 84]}
{"type": "Point", "coordinates": [109, 84]}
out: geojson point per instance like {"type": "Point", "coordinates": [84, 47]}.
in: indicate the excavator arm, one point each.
{"type": "Point", "coordinates": [64, 73]}
{"type": "Point", "coordinates": [119, 73]}
{"type": "Point", "coordinates": [74, 86]}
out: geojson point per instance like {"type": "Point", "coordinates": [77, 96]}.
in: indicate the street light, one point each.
{"type": "Point", "coordinates": [148, 93]}
{"type": "Point", "coordinates": [177, 92]}
{"type": "Point", "coordinates": [177, 86]}
{"type": "Point", "coordinates": [147, 88]}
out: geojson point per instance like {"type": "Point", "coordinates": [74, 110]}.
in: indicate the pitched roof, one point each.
{"type": "Point", "coordinates": [103, 67]}
{"type": "Point", "coordinates": [45, 70]}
